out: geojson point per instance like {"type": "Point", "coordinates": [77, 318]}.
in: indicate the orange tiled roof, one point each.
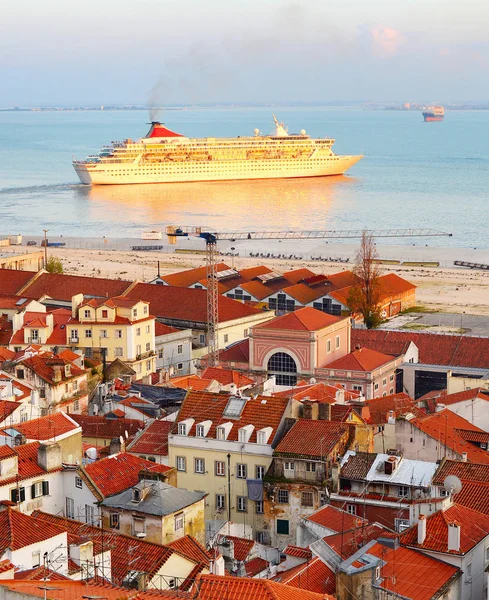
{"type": "Point", "coordinates": [304, 319]}
{"type": "Point", "coordinates": [336, 519]}
{"type": "Point", "coordinates": [475, 480]}
{"type": "Point", "coordinates": [190, 547]}
{"type": "Point", "coordinates": [401, 404]}
{"type": "Point", "coordinates": [18, 530]}
{"type": "Point", "coordinates": [27, 462]}
{"type": "Point", "coordinates": [227, 376]}
{"type": "Point", "coordinates": [64, 287]}
{"type": "Point", "coordinates": [255, 566]}
{"type": "Point", "coordinates": [153, 440]}
{"type": "Point", "coordinates": [43, 366]}
{"type": "Point", "coordinates": [321, 392]}
{"type": "Point", "coordinates": [12, 281]}
{"type": "Point", "coordinates": [362, 359]}
{"type": "Point", "coordinates": [411, 574]}
{"type": "Point", "coordinates": [48, 427]}
{"type": "Point", "coordinates": [298, 552]}
{"type": "Point", "coordinates": [314, 576]}
{"type": "Point", "coordinates": [305, 294]}
{"type": "Point", "coordinates": [243, 588]}
{"type": "Point", "coordinates": [346, 543]}
{"type": "Point", "coordinates": [101, 427]}
{"type": "Point", "coordinates": [119, 472]}
{"type": "Point", "coordinates": [242, 546]}
{"type": "Point", "coordinates": [41, 572]}
{"type": "Point", "coordinates": [6, 354]}
{"type": "Point", "coordinates": [190, 276]}
{"type": "Point", "coordinates": [162, 329]}
{"type": "Point", "coordinates": [476, 393]}
{"type": "Point", "coordinates": [237, 353]}
{"type": "Point", "coordinates": [474, 527]}
{"type": "Point", "coordinates": [308, 438]}
{"type": "Point", "coordinates": [260, 411]}
{"type": "Point", "coordinates": [190, 382]}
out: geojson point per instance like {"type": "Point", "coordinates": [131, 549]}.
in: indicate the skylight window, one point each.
{"type": "Point", "coordinates": [234, 407]}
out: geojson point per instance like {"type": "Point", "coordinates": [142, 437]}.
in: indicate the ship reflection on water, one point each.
{"type": "Point", "coordinates": [266, 204]}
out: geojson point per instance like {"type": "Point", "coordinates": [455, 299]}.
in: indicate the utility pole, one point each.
{"type": "Point", "coordinates": [45, 248]}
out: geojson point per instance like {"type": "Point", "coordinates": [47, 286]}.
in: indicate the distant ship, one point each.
{"type": "Point", "coordinates": [434, 113]}
{"type": "Point", "coordinates": [164, 156]}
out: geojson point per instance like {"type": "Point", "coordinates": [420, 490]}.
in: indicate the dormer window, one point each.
{"type": "Point", "coordinates": [86, 314]}
{"type": "Point", "coordinates": [145, 309]}
{"type": "Point", "coordinates": [67, 370]}
{"type": "Point", "coordinates": [136, 495]}
{"type": "Point", "coordinates": [200, 431]}
{"type": "Point", "coordinates": [134, 313]}
{"type": "Point", "coordinates": [244, 433]}
{"type": "Point", "coordinates": [261, 437]}
{"type": "Point", "coordinates": [105, 314]}
{"type": "Point", "coordinates": [221, 433]}
{"type": "Point", "coordinates": [182, 429]}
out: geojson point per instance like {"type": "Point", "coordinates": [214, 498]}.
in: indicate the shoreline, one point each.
{"type": "Point", "coordinates": [442, 289]}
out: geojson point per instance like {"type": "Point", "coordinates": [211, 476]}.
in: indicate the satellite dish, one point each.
{"type": "Point", "coordinates": [126, 434]}
{"type": "Point", "coordinates": [121, 439]}
{"type": "Point", "coordinates": [452, 484]}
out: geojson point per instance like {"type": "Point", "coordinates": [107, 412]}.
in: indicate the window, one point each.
{"type": "Point", "coordinates": [88, 333]}
{"type": "Point", "coordinates": [357, 388]}
{"type": "Point", "coordinates": [337, 342]}
{"type": "Point", "coordinates": [241, 471]}
{"type": "Point", "coordinates": [86, 314]}
{"type": "Point", "coordinates": [307, 499]}
{"type": "Point", "coordinates": [134, 313]}
{"type": "Point", "coordinates": [391, 378]}
{"type": "Point", "coordinates": [351, 509]}
{"type": "Point", "coordinates": [147, 329]}
{"type": "Point", "coordinates": [259, 507]}
{"type": "Point", "coordinates": [310, 467]}
{"type": "Point", "coordinates": [105, 314]}
{"type": "Point", "coordinates": [401, 524]}
{"type": "Point", "coordinates": [89, 514]}
{"type": "Point", "coordinates": [243, 435]}
{"type": "Point", "coordinates": [384, 381]}
{"type": "Point", "coordinates": [138, 351]}
{"type": "Point", "coordinates": [200, 431]}
{"type": "Point", "coordinates": [202, 338]}
{"type": "Point", "coordinates": [179, 366]}
{"type": "Point", "coordinates": [36, 559]}
{"type": "Point", "coordinates": [289, 466]}
{"type": "Point", "coordinates": [118, 333]}
{"type": "Point", "coordinates": [160, 353]}
{"type": "Point", "coordinates": [138, 525]}
{"type": "Point", "coordinates": [138, 331]}
{"type": "Point", "coordinates": [221, 433]}
{"type": "Point", "coordinates": [114, 521]}
{"type": "Point", "coordinates": [261, 437]}
{"type": "Point", "coordinates": [241, 503]}
{"type": "Point", "coordinates": [145, 309]}
{"type": "Point", "coordinates": [181, 463]}
{"type": "Point", "coordinates": [70, 508]}
{"type": "Point", "coordinates": [148, 346]}
{"type": "Point", "coordinates": [182, 429]}
{"type": "Point", "coordinates": [377, 573]}
{"type": "Point", "coordinates": [199, 466]}
{"type": "Point", "coordinates": [220, 502]}
{"type": "Point", "coordinates": [40, 488]}
{"type": "Point", "coordinates": [179, 521]}
{"type": "Point", "coordinates": [103, 333]}
{"type": "Point", "coordinates": [403, 491]}
{"type": "Point", "coordinates": [283, 496]}
{"type": "Point", "coordinates": [468, 573]}
{"type": "Point", "coordinates": [260, 471]}
{"type": "Point", "coordinates": [487, 553]}
{"type": "Point", "coordinates": [118, 351]}
{"type": "Point", "coordinates": [282, 527]}
{"type": "Point", "coordinates": [226, 338]}
{"type": "Point", "coordinates": [283, 367]}
{"type": "Point", "coordinates": [75, 386]}
{"type": "Point", "coordinates": [180, 349]}
{"type": "Point", "coordinates": [376, 386]}
{"type": "Point", "coordinates": [328, 346]}
{"type": "Point", "coordinates": [20, 373]}
{"type": "Point", "coordinates": [17, 495]}
{"type": "Point", "coordinates": [220, 468]}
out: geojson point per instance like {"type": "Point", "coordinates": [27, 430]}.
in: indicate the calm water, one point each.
{"type": "Point", "coordinates": [414, 174]}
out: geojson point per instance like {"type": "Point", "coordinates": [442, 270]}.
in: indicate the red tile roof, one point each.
{"type": "Point", "coordinates": [190, 547]}
{"type": "Point", "coordinates": [64, 287]}
{"type": "Point", "coordinates": [6, 354]}
{"type": "Point", "coordinates": [446, 350]}
{"type": "Point", "coordinates": [100, 427]}
{"type": "Point", "coordinates": [260, 411]}
{"type": "Point", "coordinates": [162, 329]}
{"type": "Point", "coordinates": [305, 294]}
{"type": "Point", "coordinates": [27, 463]}
{"type": "Point", "coordinates": [304, 319]}
{"type": "Point", "coordinates": [39, 573]}
{"type": "Point", "coordinates": [18, 530]}
{"type": "Point", "coordinates": [184, 304]}
{"type": "Point", "coordinates": [308, 438]}
{"type": "Point", "coordinates": [190, 382]}
{"type": "Point", "coordinates": [6, 409]}
{"type": "Point", "coordinates": [242, 546]}
{"type": "Point", "coordinates": [255, 566]}
{"type": "Point", "coordinates": [237, 353]}
{"type": "Point", "coordinates": [336, 519]}
{"type": "Point", "coordinates": [445, 426]}
{"type": "Point", "coordinates": [227, 376]}
{"type": "Point", "coordinates": [342, 279]}
{"type": "Point", "coordinates": [6, 330]}
{"type": "Point", "coordinates": [47, 428]}
{"type": "Point", "coordinates": [188, 277]}
{"type": "Point", "coordinates": [44, 367]}
{"type": "Point", "coordinates": [362, 359]}
{"type": "Point", "coordinates": [153, 440]}
{"type": "Point", "coordinates": [401, 404]}
{"type": "Point", "coordinates": [11, 281]}
{"type": "Point", "coordinates": [298, 552]}
{"type": "Point", "coordinates": [242, 588]}
{"type": "Point", "coordinates": [474, 527]}
{"type": "Point", "coordinates": [474, 394]}
{"type": "Point", "coordinates": [346, 543]}
{"type": "Point", "coordinates": [410, 574]}
{"type": "Point", "coordinates": [391, 285]}
{"type": "Point", "coordinates": [314, 576]}
{"type": "Point", "coordinates": [120, 472]}
{"type": "Point", "coordinates": [475, 483]}
{"type": "Point", "coordinates": [321, 392]}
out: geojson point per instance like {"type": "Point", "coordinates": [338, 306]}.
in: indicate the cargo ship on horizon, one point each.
{"type": "Point", "coordinates": [434, 113]}
{"type": "Point", "coordinates": [164, 156]}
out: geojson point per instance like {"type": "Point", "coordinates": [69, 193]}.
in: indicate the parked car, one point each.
{"type": "Point", "coordinates": [31, 243]}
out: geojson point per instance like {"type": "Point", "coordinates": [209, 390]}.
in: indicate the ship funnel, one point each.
{"type": "Point", "coordinates": [158, 130]}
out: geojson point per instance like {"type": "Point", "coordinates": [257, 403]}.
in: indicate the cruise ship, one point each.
{"type": "Point", "coordinates": [434, 113]}
{"type": "Point", "coordinates": [163, 156]}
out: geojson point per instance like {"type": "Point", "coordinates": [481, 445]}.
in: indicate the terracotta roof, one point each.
{"type": "Point", "coordinates": [308, 438]}
{"type": "Point", "coordinates": [238, 353]}
{"type": "Point", "coordinates": [410, 574]}
{"type": "Point", "coordinates": [320, 392]}
{"type": "Point", "coordinates": [6, 409]}
{"type": "Point", "coordinates": [401, 404]}
{"type": "Point", "coordinates": [119, 472]}
{"type": "Point", "coordinates": [476, 393]}
{"type": "Point", "coordinates": [305, 294]}
{"type": "Point", "coordinates": [6, 354]}
{"type": "Point", "coordinates": [184, 304]}
{"type": "Point", "coordinates": [358, 465]}
{"type": "Point", "coordinates": [444, 426]}
{"type": "Point", "coordinates": [362, 359]}
{"type": "Point", "coordinates": [342, 279]}
{"type": "Point", "coordinates": [64, 287]}
{"type": "Point", "coordinates": [100, 427]}
{"type": "Point", "coordinates": [18, 530]}
{"type": "Point", "coordinates": [346, 543]}
{"type": "Point", "coordinates": [162, 329]}
{"type": "Point", "coordinates": [48, 427]}
{"type": "Point", "coordinates": [475, 483]}
{"type": "Point", "coordinates": [227, 376]}
{"type": "Point", "coordinates": [153, 440]}
{"type": "Point", "coordinates": [12, 302]}
{"type": "Point", "coordinates": [6, 329]}
{"type": "Point", "coordinates": [27, 463]}
{"type": "Point", "coordinates": [445, 350]}
{"type": "Point", "coordinates": [11, 280]}
{"type": "Point", "coordinates": [255, 566]}
{"type": "Point", "coordinates": [189, 277]}
{"type": "Point", "coordinates": [243, 588]}
{"type": "Point", "coordinates": [147, 557]}
{"type": "Point", "coordinates": [6, 451]}
{"type": "Point", "coordinates": [258, 290]}
{"type": "Point", "coordinates": [260, 411]}
{"type": "Point", "coordinates": [303, 319]}
{"type": "Point", "coordinates": [242, 546]}
{"type": "Point", "coordinates": [44, 367]}
{"type": "Point", "coordinates": [68, 354]}
{"type": "Point", "coordinates": [190, 382]}
{"type": "Point", "coordinates": [392, 284]}
{"type": "Point", "coordinates": [298, 552]}
{"type": "Point", "coordinates": [474, 527]}
{"type": "Point", "coordinates": [190, 547]}
{"type": "Point", "coordinates": [335, 519]}
{"type": "Point", "coordinates": [314, 576]}
{"type": "Point", "coordinates": [39, 573]}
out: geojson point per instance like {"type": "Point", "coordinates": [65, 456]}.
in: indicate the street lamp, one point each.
{"type": "Point", "coordinates": [45, 248]}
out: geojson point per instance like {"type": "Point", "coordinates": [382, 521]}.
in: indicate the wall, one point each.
{"type": "Point", "coordinates": [417, 445]}
{"type": "Point", "coordinates": [81, 497]}
{"type": "Point", "coordinates": [51, 503]}
{"type": "Point", "coordinates": [167, 352]}
{"type": "Point", "coordinates": [56, 547]}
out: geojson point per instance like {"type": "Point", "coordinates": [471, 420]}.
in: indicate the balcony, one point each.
{"type": "Point", "coordinates": [73, 340]}
{"type": "Point", "coordinates": [34, 340]}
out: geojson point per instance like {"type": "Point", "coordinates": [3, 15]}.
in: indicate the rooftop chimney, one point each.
{"type": "Point", "coordinates": [421, 529]}
{"type": "Point", "coordinates": [390, 465]}
{"type": "Point", "coordinates": [391, 418]}
{"type": "Point", "coordinates": [57, 373]}
{"type": "Point", "coordinates": [340, 396]}
{"type": "Point", "coordinates": [464, 456]}
{"type": "Point", "coordinates": [49, 456]}
{"type": "Point", "coordinates": [454, 537]}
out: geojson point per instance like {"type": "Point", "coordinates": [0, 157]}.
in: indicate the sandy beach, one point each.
{"type": "Point", "coordinates": [439, 288]}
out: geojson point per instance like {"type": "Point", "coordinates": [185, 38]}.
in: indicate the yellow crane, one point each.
{"type": "Point", "coordinates": [211, 239]}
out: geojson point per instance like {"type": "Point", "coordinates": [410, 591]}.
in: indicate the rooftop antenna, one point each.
{"type": "Point", "coordinates": [452, 484]}
{"type": "Point", "coordinates": [159, 277]}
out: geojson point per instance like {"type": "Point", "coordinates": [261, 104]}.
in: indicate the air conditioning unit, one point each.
{"type": "Point", "coordinates": [141, 534]}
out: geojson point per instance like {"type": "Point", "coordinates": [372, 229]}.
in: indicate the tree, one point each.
{"type": "Point", "coordinates": [364, 296]}
{"type": "Point", "coordinates": [54, 265]}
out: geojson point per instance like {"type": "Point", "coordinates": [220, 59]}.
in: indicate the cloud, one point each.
{"type": "Point", "coordinates": [387, 41]}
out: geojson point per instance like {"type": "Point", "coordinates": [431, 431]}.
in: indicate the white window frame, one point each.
{"type": "Point", "coordinates": [282, 496]}
{"type": "Point", "coordinates": [181, 463]}
{"type": "Point", "coordinates": [199, 466]}
{"type": "Point", "coordinates": [241, 470]}
{"type": "Point", "coordinates": [179, 521]}
{"type": "Point", "coordinates": [220, 468]}
{"type": "Point", "coordinates": [78, 482]}
{"type": "Point", "coordinates": [241, 504]}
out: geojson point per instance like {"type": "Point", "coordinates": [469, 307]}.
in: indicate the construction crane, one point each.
{"type": "Point", "coordinates": [212, 237]}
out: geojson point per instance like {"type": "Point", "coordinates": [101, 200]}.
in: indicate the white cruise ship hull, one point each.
{"type": "Point", "coordinates": [174, 172]}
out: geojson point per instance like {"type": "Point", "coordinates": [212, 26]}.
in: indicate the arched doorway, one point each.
{"type": "Point", "coordinates": [283, 367]}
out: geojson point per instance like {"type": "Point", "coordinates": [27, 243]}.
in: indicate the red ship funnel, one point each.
{"type": "Point", "coordinates": [158, 130]}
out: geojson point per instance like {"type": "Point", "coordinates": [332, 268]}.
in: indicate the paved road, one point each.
{"type": "Point", "coordinates": [471, 324]}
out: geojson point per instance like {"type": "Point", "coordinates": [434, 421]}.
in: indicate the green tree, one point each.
{"type": "Point", "coordinates": [54, 265]}
{"type": "Point", "coordinates": [364, 296]}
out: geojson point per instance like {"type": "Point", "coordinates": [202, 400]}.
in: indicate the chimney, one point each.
{"type": "Point", "coordinates": [82, 554]}
{"type": "Point", "coordinates": [115, 446]}
{"type": "Point", "coordinates": [335, 476]}
{"type": "Point", "coordinates": [57, 373]}
{"type": "Point", "coordinates": [340, 396]}
{"type": "Point", "coordinates": [390, 465]}
{"type": "Point", "coordinates": [440, 407]}
{"type": "Point", "coordinates": [49, 456]}
{"type": "Point", "coordinates": [421, 529]}
{"type": "Point", "coordinates": [324, 411]}
{"type": "Point", "coordinates": [454, 537]}
{"type": "Point", "coordinates": [464, 456]}
{"type": "Point", "coordinates": [391, 418]}
{"type": "Point", "coordinates": [68, 370]}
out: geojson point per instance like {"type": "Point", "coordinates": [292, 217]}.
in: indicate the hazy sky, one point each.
{"type": "Point", "coordinates": [191, 51]}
